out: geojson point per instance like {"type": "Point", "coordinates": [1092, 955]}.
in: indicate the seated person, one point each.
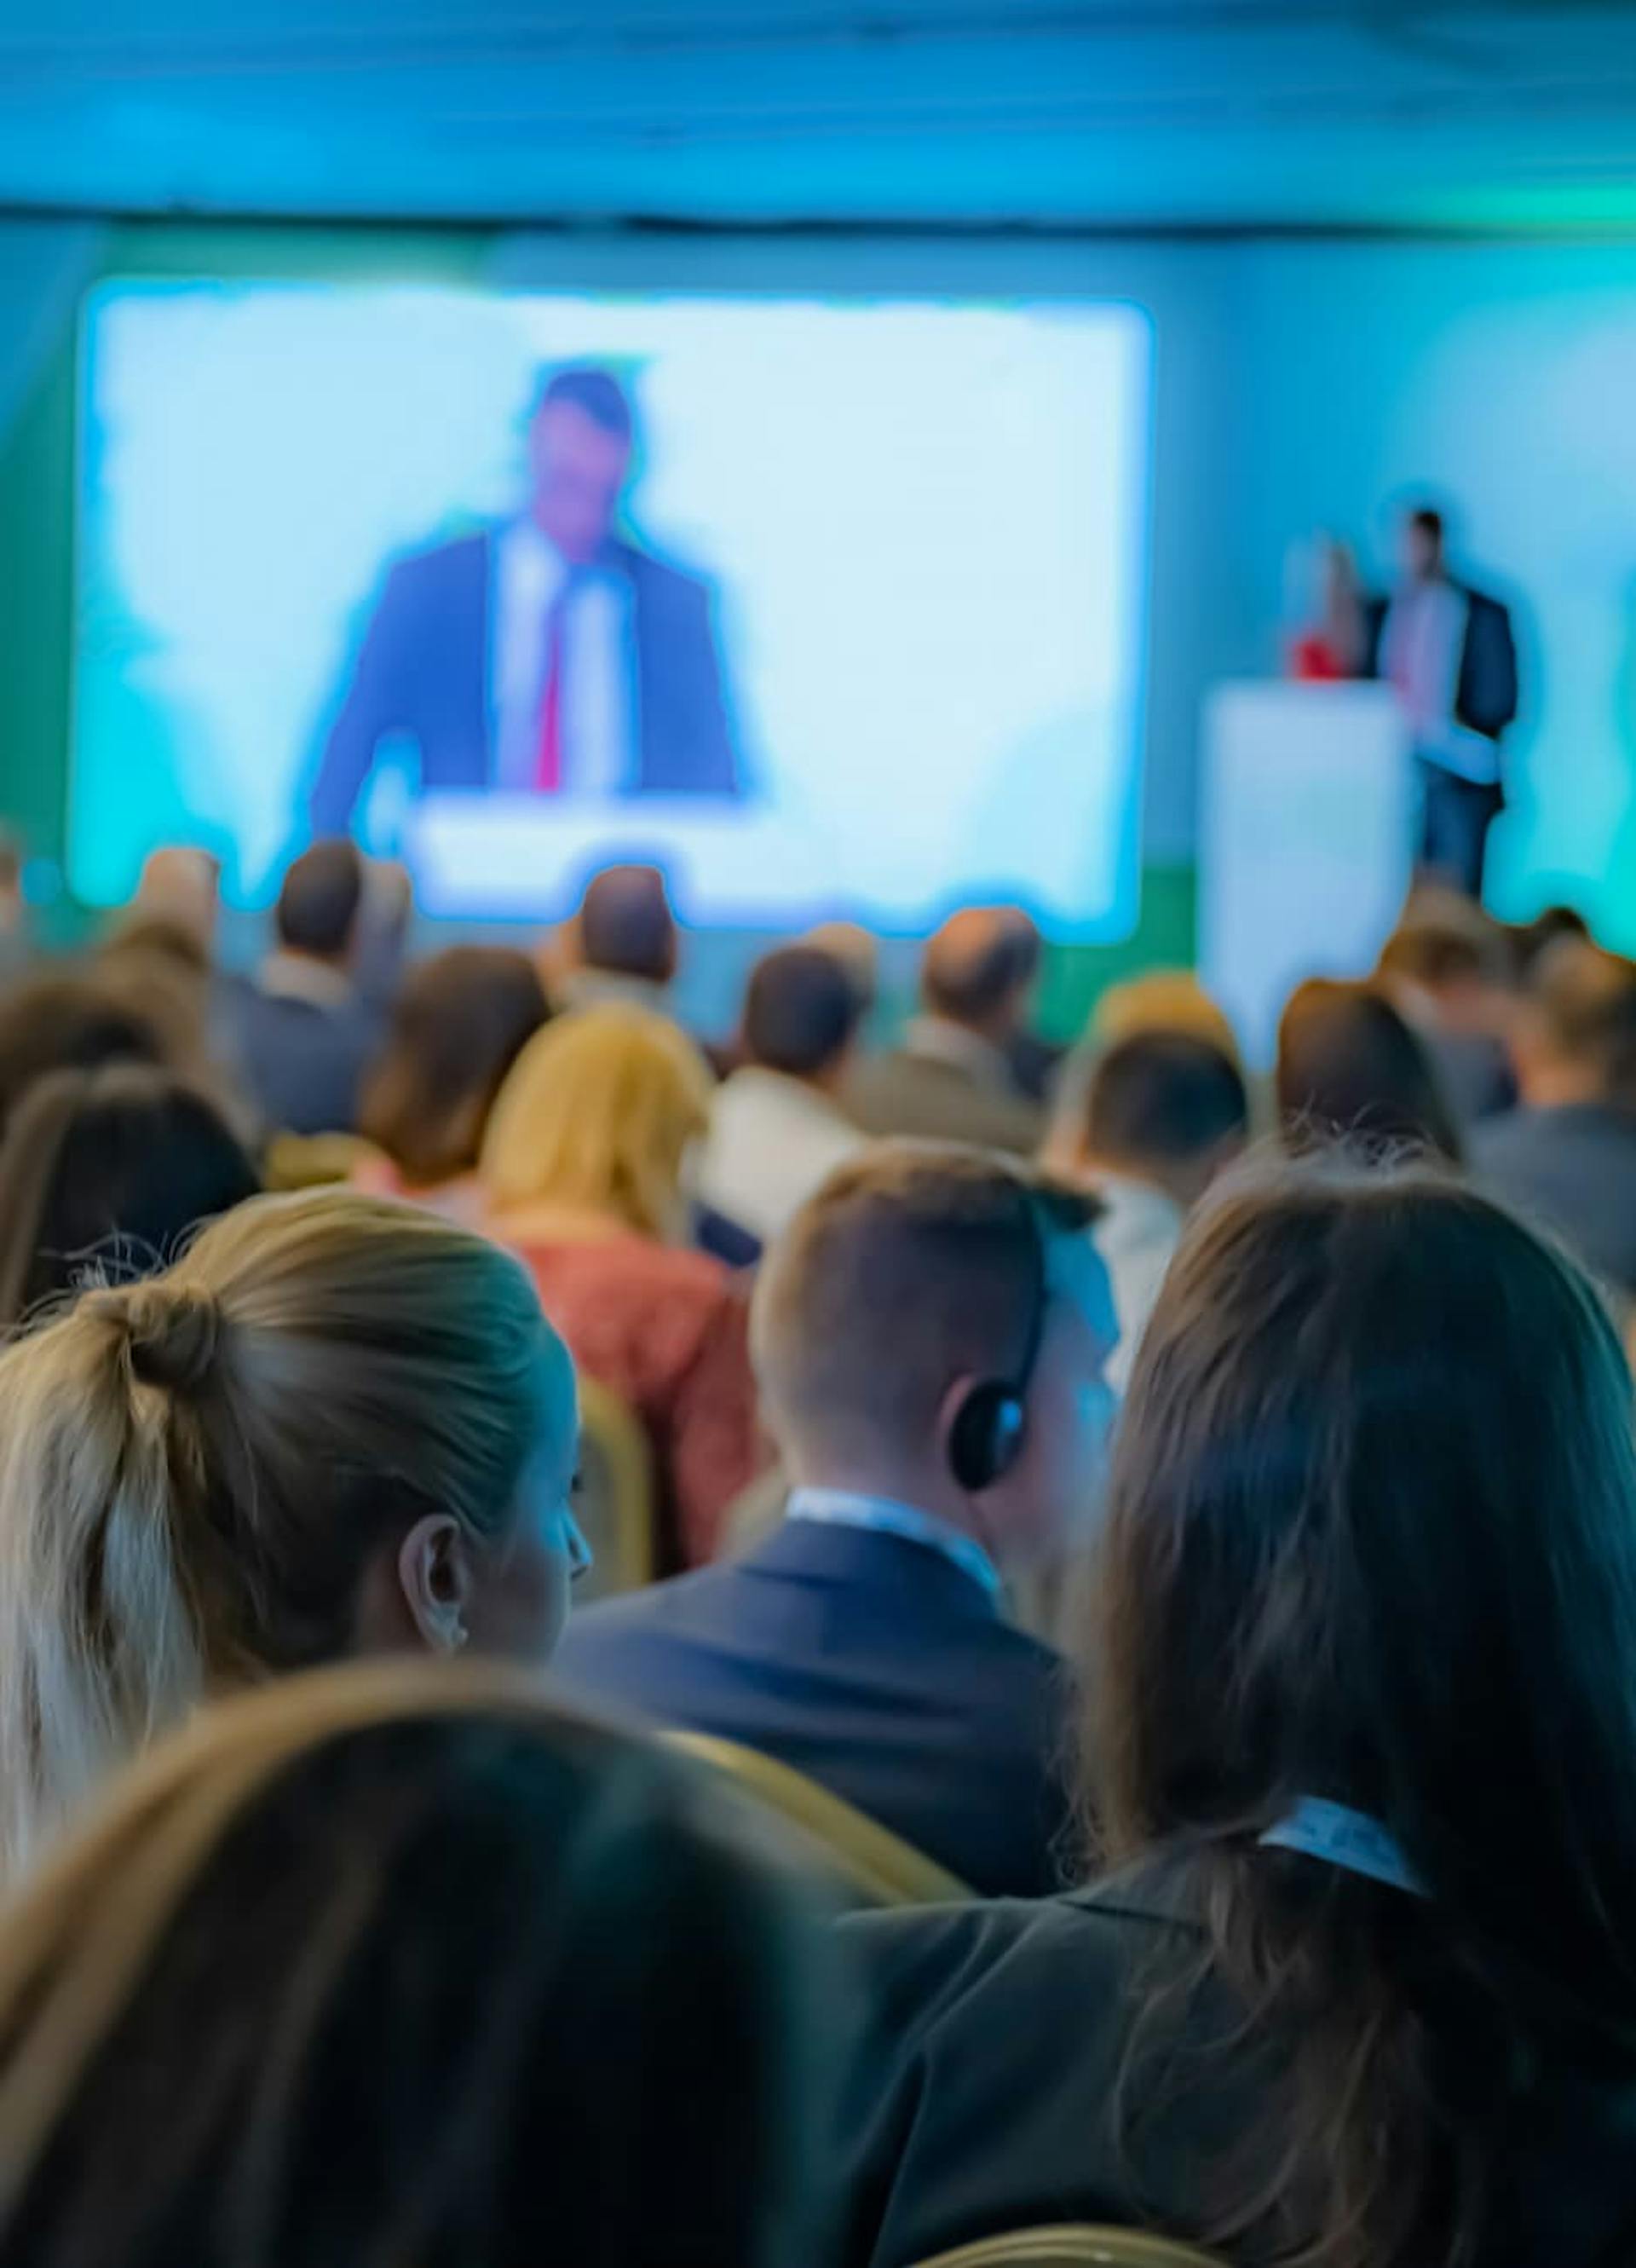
{"type": "Point", "coordinates": [397, 1966]}
{"type": "Point", "coordinates": [336, 1427]}
{"type": "Point", "coordinates": [1159, 1116]}
{"type": "Point", "coordinates": [1447, 968]}
{"type": "Point", "coordinates": [776, 1124]}
{"type": "Point", "coordinates": [1360, 1742]}
{"type": "Point", "coordinates": [460, 1023]}
{"type": "Point", "coordinates": [74, 1019]}
{"type": "Point", "coordinates": [1568, 1156]}
{"type": "Point", "coordinates": [930, 1338]}
{"type": "Point", "coordinates": [103, 1175]}
{"type": "Point", "coordinates": [1351, 1068]}
{"type": "Point", "coordinates": [622, 945]}
{"type": "Point", "coordinates": [299, 1032]}
{"type": "Point", "coordinates": [951, 1079]}
{"type": "Point", "coordinates": [582, 1171]}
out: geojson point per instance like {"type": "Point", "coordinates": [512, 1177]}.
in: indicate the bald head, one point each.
{"type": "Point", "coordinates": [978, 968]}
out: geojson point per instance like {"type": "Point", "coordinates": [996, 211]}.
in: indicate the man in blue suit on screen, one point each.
{"type": "Point", "coordinates": [547, 655]}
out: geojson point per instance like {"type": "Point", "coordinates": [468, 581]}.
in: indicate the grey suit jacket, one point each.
{"type": "Point", "coordinates": [908, 1092]}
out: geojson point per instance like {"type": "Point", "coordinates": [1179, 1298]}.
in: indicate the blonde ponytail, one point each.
{"type": "Point", "coordinates": [194, 1471]}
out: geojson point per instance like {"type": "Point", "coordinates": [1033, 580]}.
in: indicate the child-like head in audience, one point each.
{"type": "Point", "coordinates": [337, 1427]}
{"type": "Point", "coordinates": [1371, 1540]}
{"type": "Point", "coordinates": [402, 1966]}
{"type": "Point", "coordinates": [103, 1174]}
{"type": "Point", "coordinates": [933, 1327]}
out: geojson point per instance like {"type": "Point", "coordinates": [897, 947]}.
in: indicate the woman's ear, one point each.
{"type": "Point", "coordinates": [435, 1575]}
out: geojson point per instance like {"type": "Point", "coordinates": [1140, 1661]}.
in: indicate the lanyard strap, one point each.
{"type": "Point", "coordinates": [883, 1516]}
{"type": "Point", "coordinates": [1343, 1837]}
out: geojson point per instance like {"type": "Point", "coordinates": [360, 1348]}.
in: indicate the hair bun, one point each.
{"type": "Point", "coordinates": [171, 1332]}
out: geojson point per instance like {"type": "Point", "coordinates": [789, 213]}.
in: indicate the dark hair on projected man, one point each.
{"type": "Point", "coordinates": [596, 392]}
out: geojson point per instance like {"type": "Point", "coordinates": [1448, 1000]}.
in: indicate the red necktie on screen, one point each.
{"type": "Point", "coordinates": [548, 767]}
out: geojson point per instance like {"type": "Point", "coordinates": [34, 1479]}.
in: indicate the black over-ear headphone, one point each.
{"type": "Point", "coordinates": [985, 1439]}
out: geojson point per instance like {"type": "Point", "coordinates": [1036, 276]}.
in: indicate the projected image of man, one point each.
{"type": "Point", "coordinates": [549, 655]}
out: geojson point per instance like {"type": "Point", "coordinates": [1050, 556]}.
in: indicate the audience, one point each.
{"type": "Point", "coordinates": [621, 946]}
{"type": "Point", "coordinates": [776, 1124]}
{"type": "Point", "coordinates": [1163, 1000]}
{"type": "Point", "coordinates": [103, 1174]}
{"type": "Point", "coordinates": [1348, 1065]}
{"type": "Point", "coordinates": [403, 1966]}
{"type": "Point", "coordinates": [1162, 1115]}
{"type": "Point", "coordinates": [335, 1427]}
{"type": "Point", "coordinates": [303, 1036]}
{"type": "Point", "coordinates": [1362, 1744]}
{"type": "Point", "coordinates": [584, 1168]}
{"type": "Point", "coordinates": [952, 1079]}
{"type": "Point", "coordinates": [1531, 940]}
{"type": "Point", "coordinates": [1568, 1156]}
{"type": "Point", "coordinates": [1035, 1061]}
{"type": "Point", "coordinates": [1447, 969]}
{"type": "Point", "coordinates": [930, 1339]}
{"type": "Point", "coordinates": [459, 1025]}
{"type": "Point", "coordinates": [65, 1019]}
{"type": "Point", "coordinates": [17, 943]}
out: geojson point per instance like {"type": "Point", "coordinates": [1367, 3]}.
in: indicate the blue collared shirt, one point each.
{"type": "Point", "coordinates": [884, 1515]}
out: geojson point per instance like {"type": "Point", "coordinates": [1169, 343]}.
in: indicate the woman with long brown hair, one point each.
{"type": "Point", "coordinates": [403, 1964]}
{"type": "Point", "coordinates": [1361, 1991]}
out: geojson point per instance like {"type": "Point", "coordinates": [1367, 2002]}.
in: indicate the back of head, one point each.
{"type": "Point", "coordinates": [1444, 942]}
{"type": "Point", "coordinates": [195, 1471]}
{"type": "Point", "coordinates": [802, 1009]}
{"type": "Point", "coordinates": [1164, 1000]}
{"type": "Point", "coordinates": [1376, 1456]}
{"type": "Point", "coordinates": [180, 888]}
{"type": "Point", "coordinates": [915, 1265]}
{"type": "Point", "coordinates": [976, 968]}
{"type": "Point", "coordinates": [625, 927]}
{"type": "Point", "coordinates": [1531, 941]}
{"type": "Point", "coordinates": [459, 1025]}
{"type": "Point", "coordinates": [599, 1112]}
{"type": "Point", "coordinates": [320, 902]}
{"type": "Point", "coordinates": [858, 951]}
{"type": "Point", "coordinates": [103, 1173]}
{"type": "Point", "coordinates": [1349, 1065]}
{"type": "Point", "coordinates": [66, 1019]}
{"type": "Point", "coordinates": [439, 1916]}
{"type": "Point", "coordinates": [1165, 1104]}
{"type": "Point", "coordinates": [1581, 1013]}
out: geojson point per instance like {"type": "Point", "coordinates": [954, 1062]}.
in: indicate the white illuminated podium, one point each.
{"type": "Point", "coordinates": [1306, 842]}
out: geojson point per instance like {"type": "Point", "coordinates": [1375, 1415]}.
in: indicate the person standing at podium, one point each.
{"type": "Point", "coordinates": [1449, 652]}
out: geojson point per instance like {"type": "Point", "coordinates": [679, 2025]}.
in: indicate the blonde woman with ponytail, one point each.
{"type": "Point", "coordinates": [338, 1427]}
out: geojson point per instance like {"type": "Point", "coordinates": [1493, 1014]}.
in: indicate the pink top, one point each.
{"type": "Point", "coordinates": [667, 1331]}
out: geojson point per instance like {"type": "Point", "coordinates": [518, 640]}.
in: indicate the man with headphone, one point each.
{"type": "Point", "coordinates": [931, 1337]}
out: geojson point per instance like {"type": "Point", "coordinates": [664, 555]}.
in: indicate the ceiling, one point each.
{"type": "Point", "coordinates": [1049, 113]}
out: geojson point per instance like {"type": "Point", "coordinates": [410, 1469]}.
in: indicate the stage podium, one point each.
{"type": "Point", "coordinates": [1305, 844]}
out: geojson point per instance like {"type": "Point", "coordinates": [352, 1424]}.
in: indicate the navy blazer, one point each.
{"type": "Point", "coordinates": [301, 1065]}
{"type": "Point", "coordinates": [871, 1663]}
{"type": "Point", "coordinates": [1485, 685]}
{"type": "Point", "coordinates": [422, 670]}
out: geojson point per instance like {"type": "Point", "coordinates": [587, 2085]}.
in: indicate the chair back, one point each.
{"type": "Point", "coordinates": [1076, 2247]}
{"type": "Point", "coordinates": [615, 1505]}
{"type": "Point", "coordinates": [867, 1862]}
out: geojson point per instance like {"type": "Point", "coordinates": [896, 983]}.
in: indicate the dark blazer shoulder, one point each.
{"type": "Point", "coordinates": [462, 561]}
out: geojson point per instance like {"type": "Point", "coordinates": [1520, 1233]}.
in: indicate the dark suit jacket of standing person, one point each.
{"type": "Point", "coordinates": [1485, 684]}
{"type": "Point", "coordinates": [985, 2091]}
{"type": "Point", "coordinates": [422, 670]}
{"type": "Point", "coordinates": [873, 1665]}
{"type": "Point", "coordinates": [904, 1092]}
{"type": "Point", "coordinates": [302, 1064]}
{"type": "Point", "coordinates": [1574, 1169]}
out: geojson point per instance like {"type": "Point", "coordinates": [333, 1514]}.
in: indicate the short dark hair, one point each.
{"type": "Point", "coordinates": [802, 1009]}
{"type": "Point", "coordinates": [914, 1263]}
{"type": "Point", "coordinates": [1165, 1097]}
{"type": "Point", "coordinates": [1586, 999]}
{"type": "Point", "coordinates": [1531, 940]}
{"type": "Point", "coordinates": [1429, 520]}
{"type": "Point", "coordinates": [626, 924]}
{"type": "Point", "coordinates": [595, 391]}
{"type": "Point", "coordinates": [1348, 1065]}
{"type": "Point", "coordinates": [318, 904]}
{"type": "Point", "coordinates": [107, 1172]}
{"type": "Point", "coordinates": [66, 1019]}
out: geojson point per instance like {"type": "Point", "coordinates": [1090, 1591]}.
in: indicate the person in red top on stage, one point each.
{"type": "Point", "coordinates": [1332, 646]}
{"type": "Point", "coordinates": [583, 1169]}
